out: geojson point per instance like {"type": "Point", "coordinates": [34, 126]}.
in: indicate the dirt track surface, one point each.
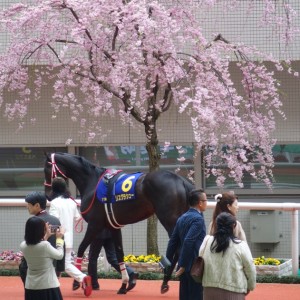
{"type": "Point", "coordinates": [11, 288]}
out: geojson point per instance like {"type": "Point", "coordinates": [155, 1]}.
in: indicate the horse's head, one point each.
{"type": "Point", "coordinates": [52, 169]}
{"type": "Point", "coordinates": [83, 173]}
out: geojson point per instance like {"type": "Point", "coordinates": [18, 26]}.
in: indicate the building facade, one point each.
{"type": "Point", "coordinates": [22, 150]}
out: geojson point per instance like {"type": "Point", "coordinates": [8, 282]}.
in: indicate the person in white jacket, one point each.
{"type": "Point", "coordinates": [65, 209]}
{"type": "Point", "coordinates": [229, 271]}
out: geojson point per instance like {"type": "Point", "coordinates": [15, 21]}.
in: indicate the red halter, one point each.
{"type": "Point", "coordinates": [55, 169]}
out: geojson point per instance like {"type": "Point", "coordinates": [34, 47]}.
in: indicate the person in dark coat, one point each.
{"type": "Point", "coordinates": [36, 205]}
{"type": "Point", "coordinates": [186, 240]}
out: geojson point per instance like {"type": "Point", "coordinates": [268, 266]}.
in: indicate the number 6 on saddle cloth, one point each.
{"type": "Point", "coordinates": [117, 186]}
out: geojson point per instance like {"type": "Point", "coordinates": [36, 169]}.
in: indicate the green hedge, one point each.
{"type": "Point", "coordinates": [274, 279]}
{"type": "Point", "coordinates": [158, 276]}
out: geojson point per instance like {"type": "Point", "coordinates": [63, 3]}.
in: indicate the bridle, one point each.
{"type": "Point", "coordinates": [54, 171]}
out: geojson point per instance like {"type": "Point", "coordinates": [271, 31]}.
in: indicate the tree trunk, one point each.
{"type": "Point", "coordinates": [154, 157]}
{"type": "Point", "coordinates": [152, 245]}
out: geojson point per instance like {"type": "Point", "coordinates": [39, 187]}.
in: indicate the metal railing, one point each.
{"type": "Point", "coordinates": [289, 207]}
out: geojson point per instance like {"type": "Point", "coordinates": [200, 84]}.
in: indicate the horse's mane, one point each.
{"type": "Point", "coordinates": [90, 166]}
{"type": "Point", "coordinates": [85, 163]}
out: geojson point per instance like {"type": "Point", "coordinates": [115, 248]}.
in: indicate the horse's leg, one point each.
{"type": "Point", "coordinates": [168, 194]}
{"type": "Point", "coordinates": [88, 238]}
{"type": "Point", "coordinates": [168, 271]}
{"type": "Point", "coordinates": [117, 238]}
{"type": "Point", "coordinates": [167, 275]}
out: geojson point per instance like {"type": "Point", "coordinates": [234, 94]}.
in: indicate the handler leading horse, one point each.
{"type": "Point", "coordinates": [161, 192]}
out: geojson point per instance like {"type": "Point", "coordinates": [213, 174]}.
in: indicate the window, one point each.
{"type": "Point", "coordinates": [21, 170]}
{"type": "Point", "coordinates": [286, 171]}
{"type": "Point", "coordinates": [135, 158]}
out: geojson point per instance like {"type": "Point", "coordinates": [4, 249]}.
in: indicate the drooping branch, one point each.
{"type": "Point", "coordinates": [30, 53]}
{"type": "Point", "coordinates": [78, 21]}
{"type": "Point", "coordinates": [114, 40]}
{"type": "Point", "coordinates": [55, 53]}
{"type": "Point", "coordinates": [168, 97]}
{"type": "Point", "coordinates": [130, 108]}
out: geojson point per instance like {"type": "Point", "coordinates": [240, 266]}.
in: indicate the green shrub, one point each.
{"type": "Point", "coordinates": [13, 272]}
{"type": "Point", "coordinates": [275, 279]}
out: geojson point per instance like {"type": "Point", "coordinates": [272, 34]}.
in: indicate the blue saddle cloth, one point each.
{"type": "Point", "coordinates": [123, 190]}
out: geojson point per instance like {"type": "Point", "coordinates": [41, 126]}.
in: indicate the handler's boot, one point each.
{"type": "Point", "coordinates": [95, 285]}
{"type": "Point", "coordinates": [76, 285]}
{"type": "Point", "coordinates": [87, 285]}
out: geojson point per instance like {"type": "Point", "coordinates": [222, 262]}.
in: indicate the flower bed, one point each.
{"type": "Point", "coordinates": [151, 258]}
{"type": "Point", "coordinates": [145, 267]}
{"type": "Point", "coordinates": [9, 264]}
{"type": "Point", "coordinates": [143, 263]}
{"type": "Point", "coordinates": [10, 260]}
{"type": "Point", "coordinates": [273, 267]}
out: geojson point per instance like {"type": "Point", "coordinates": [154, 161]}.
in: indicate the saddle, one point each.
{"type": "Point", "coordinates": [110, 178]}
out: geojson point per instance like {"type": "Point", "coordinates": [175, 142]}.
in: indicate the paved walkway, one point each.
{"type": "Point", "coordinates": [11, 288]}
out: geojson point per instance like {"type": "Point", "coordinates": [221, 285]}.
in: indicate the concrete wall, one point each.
{"type": "Point", "coordinates": [134, 236]}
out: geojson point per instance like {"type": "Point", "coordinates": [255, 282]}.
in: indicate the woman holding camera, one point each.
{"type": "Point", "coordinates": [41, 280]}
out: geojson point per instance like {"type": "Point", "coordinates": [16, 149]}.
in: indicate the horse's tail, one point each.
{"type": "Point", "coordinates": [188, 186]}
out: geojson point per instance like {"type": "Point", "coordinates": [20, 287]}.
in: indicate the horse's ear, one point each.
{"type": "Point", "coordinates": [47, 155]}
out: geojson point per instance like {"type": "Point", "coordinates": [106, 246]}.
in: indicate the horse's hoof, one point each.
{"type": "Point", "coordinates": [164, 288]}
{"type": "Point", "coordinates": [132, 281]}
{"type": "Point", "coordinates": [122, 291]}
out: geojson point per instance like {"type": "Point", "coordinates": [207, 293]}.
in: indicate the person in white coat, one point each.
{"type": "Point", "coordinates": [229, 271]}
{"type": "Point", "coordinates": [65, 209]}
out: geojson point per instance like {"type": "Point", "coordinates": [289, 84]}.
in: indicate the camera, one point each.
{"type": "Point", "coordinates": [54, 228]}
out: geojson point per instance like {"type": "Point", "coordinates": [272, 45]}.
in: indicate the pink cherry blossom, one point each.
{"type": "Point", "coordinates": [136, 59]}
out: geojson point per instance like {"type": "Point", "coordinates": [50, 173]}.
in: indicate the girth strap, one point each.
{"type": "Point", "coordinates": [110, 178]}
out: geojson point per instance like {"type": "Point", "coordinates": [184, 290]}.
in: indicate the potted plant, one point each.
{"type": "Point", "coordinates": [10, 259]}
{"type": "Point", "coordinates": [143, 263]}
{"type": "Point", "coordinates": [272, 266]}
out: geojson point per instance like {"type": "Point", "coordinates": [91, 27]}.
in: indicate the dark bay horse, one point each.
{"type": "Point", "coordinates": [163, 193]}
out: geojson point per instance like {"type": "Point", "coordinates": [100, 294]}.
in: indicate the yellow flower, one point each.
{"type": "Point", "coordinates": [267, 261]}
{"type": "Point", "coordinates": [150, 258]}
